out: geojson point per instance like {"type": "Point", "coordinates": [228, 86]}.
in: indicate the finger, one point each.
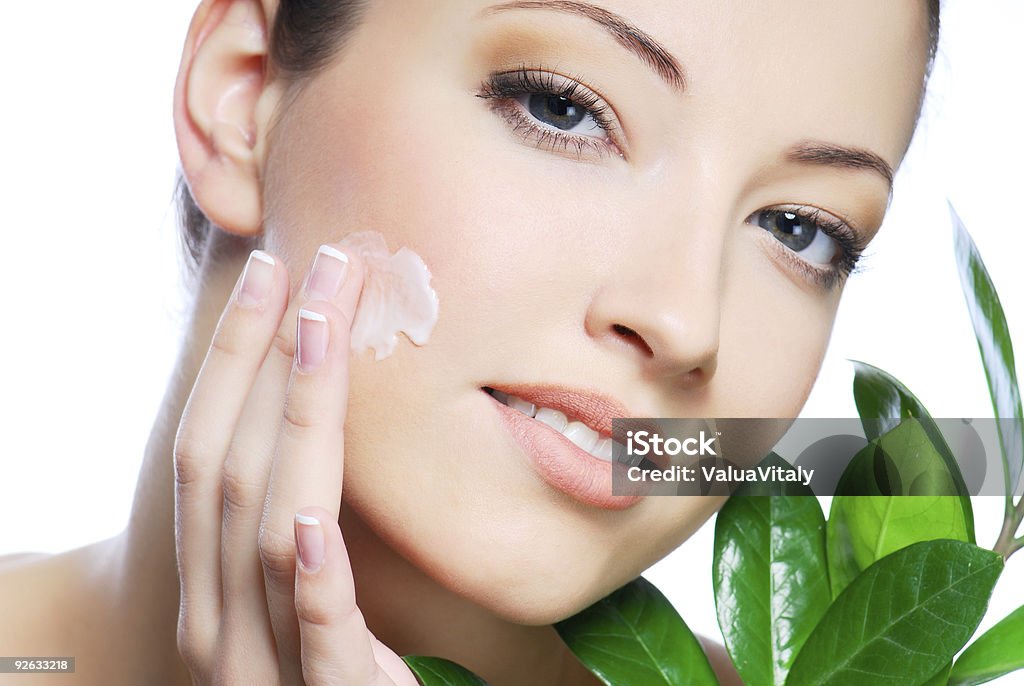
{"type": "Point", "coordinates": [308, 464]}
{"type": "Point", "coordinates": [246, 617]}
{"type": "Point", "coordinates": [246, 476]}
{"type": "Point", "coordinates": [309, 449]}
{"type": "Point", "coordinates": [239, 345]}
{"type": "Point", "coordinates": [336, 645]}
{"type": "Point", "coordinates": [247, 473]}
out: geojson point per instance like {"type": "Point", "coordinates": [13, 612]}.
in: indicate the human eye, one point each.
{"type": "Point", "coordinates": [553, 111]}
{"type": "Point", "coordinates": [824, 248]}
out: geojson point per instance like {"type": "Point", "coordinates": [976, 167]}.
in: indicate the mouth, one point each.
{"type": "Point", "coordinates": [566, 434]}
{"type": "Point", "coordinates": [585, 437]}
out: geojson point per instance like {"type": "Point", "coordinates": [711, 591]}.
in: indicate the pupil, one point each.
{"type": "Point", "coordinates": [562, 113]}
{"type": "Point", "coordinates": [792, 230]}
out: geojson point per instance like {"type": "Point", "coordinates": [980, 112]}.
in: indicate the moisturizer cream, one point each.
{"type": "Point", "coordinates": [396, 295]}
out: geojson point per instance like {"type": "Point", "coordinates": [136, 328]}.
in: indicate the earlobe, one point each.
{"type": "Point", "coordinates": [216, 118]}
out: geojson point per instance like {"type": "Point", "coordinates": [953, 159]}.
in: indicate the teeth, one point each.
{"type": "Point", "coordinates": [577, 432]}
{"type": "Point", "coordinates": [582, 435]}
{"type": "Point", "coordinates": [603, 449]}
{"type": "Point", "coordinates": [553, 418]}
{"type": "Point", "coordinates": [529, 409]}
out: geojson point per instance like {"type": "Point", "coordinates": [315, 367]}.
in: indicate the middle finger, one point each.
{"type": "Point", "coordinates": [308, 463]}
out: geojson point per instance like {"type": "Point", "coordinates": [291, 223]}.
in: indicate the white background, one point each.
{"type": "Point", "coordinates": [94, 308]}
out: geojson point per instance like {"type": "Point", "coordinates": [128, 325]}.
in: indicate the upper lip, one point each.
{"type": "Point", "coordinates": [596, 410]}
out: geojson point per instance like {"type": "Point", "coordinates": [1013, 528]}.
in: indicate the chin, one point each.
{"type": "Point", "coordinates": [541, 601]}
{"type": "Point", "coordinates": [534, 585]}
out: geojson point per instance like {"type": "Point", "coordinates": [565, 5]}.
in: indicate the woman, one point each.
{"type": "Point", "coordinates": [649, 208]}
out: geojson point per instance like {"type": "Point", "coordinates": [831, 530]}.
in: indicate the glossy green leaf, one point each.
{"type": "Point", "coordinates": [864, 529]}
{"type": "Point", "coordinates": [941, 677]}
{"type": "Point", "coordinates": [905, 616]}
{"type": "Point", "coordinates": [771, 580]}
{"type": "Point", "coordinates": [902, 461]}
{"type": "Point", "coordinates": [883, 402]}
{"type": "Point", "coordinates": [634, 637]}
{"type": "Point", "coordinates": [436, 671]}
{"type": "Point", "coordinates": [993, 338]}
{"type": "Point", "coordinates": [999, 651]}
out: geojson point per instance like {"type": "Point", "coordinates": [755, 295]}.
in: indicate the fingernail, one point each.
{"type": "Point", "coordinates": [257, 279]}
{"type": "Point", "coordinates": [313, 336]}
{"type": "Point", "coordinates": [329, 268]}
{"type": "Point", "coordinates": [310, 540]}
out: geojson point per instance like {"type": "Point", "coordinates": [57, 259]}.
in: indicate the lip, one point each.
{"type": "Point", "coordinates": [593, 409]}
{"type": "Point", "coordinates": [559, 461]}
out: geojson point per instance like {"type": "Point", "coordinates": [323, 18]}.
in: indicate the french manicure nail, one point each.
{"type": "Point", "coordinates": [328, 274]}
{"type": "Point", "coordinates": [309, 537]}
{"type": "Point", "coordinates": [312, 337]}
{"type": "Point", "coordinates": [257, 279]}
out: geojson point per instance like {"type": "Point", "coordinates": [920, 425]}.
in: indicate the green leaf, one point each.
{"type": "Point", "coordinates": [771, 580]}
{"type": "Point", "coordinates": [864, 529]}
{"type": "Point", "coordinates": [940, 677]}
{"type": "Point", "coordinates": [634, 637]}
{"type": "Point", "coordinates": [999, 651]}
{"type": "Point", "coordinates": [993, 338]}
{"type": "Point", "coordinates": [904, 617]}
{"type": "Point", "coordinates": [883, 402]}
{"type": "Point", "coordinates": [436, 671]}
{"type": "Point", "coordinates": [902, 461]}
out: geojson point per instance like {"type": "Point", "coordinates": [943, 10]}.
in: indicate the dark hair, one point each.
{"type": "Point", "coordinates": [305, 36]}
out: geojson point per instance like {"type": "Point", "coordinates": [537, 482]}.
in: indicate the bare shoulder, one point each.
{"type": "Point", "coordinates": [55, 605]}
{"type": "Point", "coordinates": [45, 595]}
{"type": "Point", "coordinates": [9, 561]}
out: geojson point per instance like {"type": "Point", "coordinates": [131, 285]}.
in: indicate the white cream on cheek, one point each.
{"type": "Point", "coordinates": [396, 295]}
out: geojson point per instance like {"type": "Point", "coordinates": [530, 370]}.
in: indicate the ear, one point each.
{"type": "Point", "coordinates": [220, 111]}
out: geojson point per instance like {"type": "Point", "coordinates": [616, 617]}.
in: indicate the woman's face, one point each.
{"type": "Point", "coordinates": [618, 241]}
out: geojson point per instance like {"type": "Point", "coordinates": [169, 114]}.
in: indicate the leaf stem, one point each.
{"type": "Point", "coordinates": [1006, 545]}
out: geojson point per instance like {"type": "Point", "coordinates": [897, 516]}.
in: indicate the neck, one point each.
{"type": "Point", "coordinates": [405, 609]}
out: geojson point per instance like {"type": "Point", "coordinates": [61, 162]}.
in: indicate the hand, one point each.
{"type": "Point", "coordinates": [262, 436]}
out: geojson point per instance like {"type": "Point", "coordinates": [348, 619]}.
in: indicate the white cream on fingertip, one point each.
{"type": "Point", "coordinates": [396, 296]}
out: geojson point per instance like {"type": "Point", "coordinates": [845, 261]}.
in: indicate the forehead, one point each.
{"type": "Point", "coordinates": [847, 69]}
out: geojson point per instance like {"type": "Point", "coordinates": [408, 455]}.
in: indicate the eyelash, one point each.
{"type": "Point", "coordinates": [504, 87]}
{"type": "Point", "coordinates": [849, 242]}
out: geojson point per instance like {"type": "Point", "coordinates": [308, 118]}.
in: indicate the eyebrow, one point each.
{"type": "Point", "coordinates": [831, 155]}
{"type": "Point", "coordinates": [652, 53]}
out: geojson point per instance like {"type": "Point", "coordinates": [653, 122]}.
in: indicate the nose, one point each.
{"type": "Point", "coordinates": [662, 305]}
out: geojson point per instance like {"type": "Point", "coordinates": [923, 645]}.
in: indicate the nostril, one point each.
{"type": "Point", "coordinates": [629, 333]}
{"type": "Point", "coordinates": [624, 330]}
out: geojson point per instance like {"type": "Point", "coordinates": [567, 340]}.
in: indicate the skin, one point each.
{"type": "Point", "coordinates": [442, 515]}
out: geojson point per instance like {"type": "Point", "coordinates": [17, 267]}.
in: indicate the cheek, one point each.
{"type": "Point", "coordinates": [774, 339]}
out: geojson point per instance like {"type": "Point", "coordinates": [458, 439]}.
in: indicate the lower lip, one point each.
{"type": "Point", "coordinates": [563, 464]}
